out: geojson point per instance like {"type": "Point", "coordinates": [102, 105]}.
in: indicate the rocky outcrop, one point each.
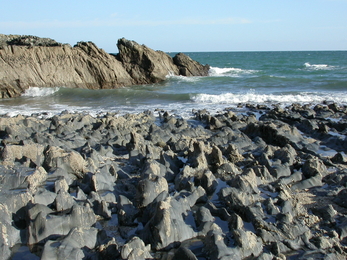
{"type": "Point", "coordinates": [227, 187]}
{"type": "Point", "coordinates": [29, 61]}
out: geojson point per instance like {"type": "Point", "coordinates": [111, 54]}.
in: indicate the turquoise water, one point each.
{"type": "Point", "coordinates": [307, 77]}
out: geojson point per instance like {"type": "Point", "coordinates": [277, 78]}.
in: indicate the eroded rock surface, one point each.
{"type": "Point", "coordinates": [224, 186]}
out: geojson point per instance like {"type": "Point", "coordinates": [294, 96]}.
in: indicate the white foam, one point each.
{"type": "Point", "coordinates": [39, 92]}
{"type": "Point", "coordinates": [318, 66]}
{"type": "Point", "coordinates": [231, 72]}
{"type": "Point", "coordinates": [181, 78]}
{"type": "Point", "coordinates": [253, 97]}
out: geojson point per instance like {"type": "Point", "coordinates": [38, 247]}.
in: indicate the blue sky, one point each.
{"type": "Point", "coordinates": [219, 25]}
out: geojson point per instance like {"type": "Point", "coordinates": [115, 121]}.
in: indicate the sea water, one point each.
{"type": "Point", "coordinates": [281, 78]}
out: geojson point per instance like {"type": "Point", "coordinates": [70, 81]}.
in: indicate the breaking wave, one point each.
{"type": "Point", "coordinates": [231, 72]}
{"type": "Point", "coordinates": [318, 66]}
{"type": "Point", "coordinates": [40, 92]}
{"type": "Point", "coordinates": [256, 98]}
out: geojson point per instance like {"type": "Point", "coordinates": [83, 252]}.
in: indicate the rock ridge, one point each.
{"type": "Point", "coordinates": [31, 61]}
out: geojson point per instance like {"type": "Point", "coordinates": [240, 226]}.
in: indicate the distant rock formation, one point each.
{"type": "Point", "coordinates": [30, 61]}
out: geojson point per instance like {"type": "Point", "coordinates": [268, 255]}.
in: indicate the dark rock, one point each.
{"type": "Point", "coordinates": [189, 67]}
{"type": "Point", "coordinates": [234, 188]}
{"type": "Point", "coordinates": [339, 158]}
{"type": "Point", "coordinates": [29, 40]}
{"type": "Point", "coordinates": [276, 133]}
{"type": "Point", "coordinates": [184, 253]}
{"type": "Point", "coordinates": [149, 188]}
{"type": "Point", "coordinates": [314, 166]}
{"type": "Point", "coordinates": [127, 212]}
{"type": "Point", "coordinates": [341, 198]}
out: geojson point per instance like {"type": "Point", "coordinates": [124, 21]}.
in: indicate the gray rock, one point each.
{"type": "Point", "coordinates": [136, 249]}
{"type": "Point", "coordinates": [341, 198]}
{"type": "Point", "coordinates": [63, 201]}
{"type": "Point", "coordinates": [314, 166]}
{"type": "Point", "coordinates": [72, 162]}
{"type": "Point", "coordinates": [216, 248]}
{"type": "Point", "coordinates": [127, 212]}
{"type": "Point", "coordinates": [167, 224]}
{"type": "Point", "coordinates": [72, 246]}
{"type": "Point", "coordinates": [45, 226]}
{"type": "Point", "coordinates": [207, 180]}
{"type": "Point", "coordinates": [148, 189]}
{"type": "Point", "coordinates": [249, 244]}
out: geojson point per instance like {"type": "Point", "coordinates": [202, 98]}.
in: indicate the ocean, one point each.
{"type": "Point", "coordinates": [268, 78]}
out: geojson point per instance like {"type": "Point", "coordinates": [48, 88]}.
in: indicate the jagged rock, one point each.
{"type": "Point", "coordinates": [31, 151]}
{"type": "Point", "coordinates": [44, 226]}
{"type": "Point", "coordinates": [9, 235]}
{"type": "Point", "coordinates": [314, 166]}
{"type": "Point", "coordinates": [127, 212]}
{"type": "Point", "coordinates": [197, 155]}
{"type": "Point", "coordinates": [30, 61]}
{"type": "Point", "coordinates": [167, 224]}
{"type": "Point", "coordinates": [207, 180]}
{"type": "Point", "coordinates": [214, 194]}
{"type": "Point", "coordinates": [216, 247]}
{"type": "Point", "coordinates": [148, 189]}
{"type": "Point", "coordinates": [189, 67]}
{"type": "Point", "coordinates": [72, 162]}
{"type": "Point", "coordinates": [44, 197]}
{"type": "Point", "coordinates": [103, 180]}
{"type": "Point", "coordinates": [144, 64]}
{"type": "Point", "coordinates": [249, 244]}
{"type": "Point", "coordinates": [341, 198]}
{"type": "Point", "coordinates": [100, 206]}
{"type": "Point", "coordinates": [63, 201]}
{"type": "Point", "coordinates": [61, 185]}
{"type": "Point", "coordinates": [136, 249]}
{"type": "Point", "coordinates": [110, 250]}
{"type": "Point", "coordinates": [276, 133]}
{"type": "Point", "coordinates": [72, 246]}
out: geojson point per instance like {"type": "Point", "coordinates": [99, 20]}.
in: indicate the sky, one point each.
{"type": "Point", "coordinates": [187, 26]}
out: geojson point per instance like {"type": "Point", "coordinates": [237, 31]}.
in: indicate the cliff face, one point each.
{"type": "Point", "coordinates": [28, 61]}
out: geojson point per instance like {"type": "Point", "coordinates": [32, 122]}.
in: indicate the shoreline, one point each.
{"type": "Point", "coordinates": [159, 187]}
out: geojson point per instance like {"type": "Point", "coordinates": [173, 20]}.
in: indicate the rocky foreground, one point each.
{"type": "Point", "coordinates": [30, 61]}
{"type": "Point", "coordinates": [227, 186]}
